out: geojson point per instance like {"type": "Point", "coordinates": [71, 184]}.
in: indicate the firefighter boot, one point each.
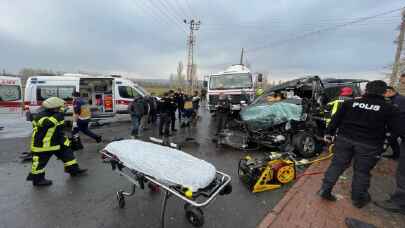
{"type": "Point", "coordinates": [39, 180]}
{"type": "Point", "coordinates": [78, 172]}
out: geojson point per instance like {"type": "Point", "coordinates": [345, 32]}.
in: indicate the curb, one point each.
{"type": "Point", "coordinates": [271, 217]}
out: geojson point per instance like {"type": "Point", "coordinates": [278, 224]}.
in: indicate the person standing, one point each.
{"type": "Point", "coordinates": [173, 108]}
{"type": "Point", "coordinates": [179, 98]}
{"type": "Point", "coordinates": [360, 125]}
{"type": "Point", "coordinates": [81, 118]}
{"type": "Point", "coordinates": [203, 95]}
{"type": "Point", "coordinates": [399, 101]}
{"type": "Point", "coordinates": [137, 110]}
{"type": "Point", "coordinates": [145, 117]}
{"type": "Point", "coordinates": [196, 102]}
{"type": "Point", "coordinates": [165, 110]}
{"type": "Point", "coordinates": [153, 104]}
{"type": "Point", "coordinates": [48, 139]}
{"type": "Point", "coordinates": [396, 202]}
{"type": "Point", "coordinates": [223, 109]}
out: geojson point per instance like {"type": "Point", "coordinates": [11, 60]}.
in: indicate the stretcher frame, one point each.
{"type": "Point", "coordinates": [132, 176]}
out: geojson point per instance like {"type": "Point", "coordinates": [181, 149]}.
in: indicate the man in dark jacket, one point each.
{"type": "Point", "coordinates": [179, 99]}
{"type": "Point", "coordinates": [137, 109]}
{"type": "Point", "coordinates": [165, 107]}
{"type": "Point", "coordinates": [223, 109]}
{"type": "Point", "coordinates": [361, 125]}
{"type": "Point", "coordinates": [153, 104]}
{"type": "Point", "coordinates": [399, 101]}
{"type": "Point", "coordinates": [173, 108]}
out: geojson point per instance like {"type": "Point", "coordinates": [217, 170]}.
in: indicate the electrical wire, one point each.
{"type": "Point", "coordinates": [190, 9]}
{"type": "Point", "coordinates": [167, 15]}
{"type": "Point", "coordinates": [169, 10]}
{"type": "Point", "coordinates": [334, 27]}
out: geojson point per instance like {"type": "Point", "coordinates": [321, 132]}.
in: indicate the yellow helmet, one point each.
{"type": "Point", "coordinates": [53, 102]}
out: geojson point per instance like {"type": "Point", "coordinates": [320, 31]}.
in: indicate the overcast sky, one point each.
{"type": "Point", "coordinates": [146, 38]}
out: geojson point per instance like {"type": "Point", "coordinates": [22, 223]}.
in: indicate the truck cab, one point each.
{"type": "Point", "coordinates": [236, 82]}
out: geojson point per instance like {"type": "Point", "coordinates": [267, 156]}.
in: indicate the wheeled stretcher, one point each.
{"type": "Point", "coordinates": [179, 174]}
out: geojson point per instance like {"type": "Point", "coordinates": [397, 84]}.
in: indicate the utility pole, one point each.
{"type": "Point", "coordinates": [194, 26]}
{"type": "Point", "coordinates": [400, 42]}
{"type": "Point", "coordinates": [241, 57]}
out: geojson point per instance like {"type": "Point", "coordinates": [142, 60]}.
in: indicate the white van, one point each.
{"type": "Point", "coordinates": [106, 95]}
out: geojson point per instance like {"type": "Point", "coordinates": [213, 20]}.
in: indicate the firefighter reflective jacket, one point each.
{"type": "Point", "coordinates": [48, 133]}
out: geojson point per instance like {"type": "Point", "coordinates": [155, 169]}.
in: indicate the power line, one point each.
{"type": "Point", "coordinates": [168, 16]}
{"type": "Point", "coordinates": [178, 9]}
{"type": "Point", "coordinates": [322, 30]}
{"type": "Point", "coordinates": [186, 13]}
{"type": "Point", "coordinates": [169, 10]}
{"type": "Point", "coordinates": [189, 8]}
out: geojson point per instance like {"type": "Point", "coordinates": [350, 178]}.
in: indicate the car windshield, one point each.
{"type": "Point", "coordinates": [231, 81]}
{"type": "Point", "coordinates": [267, 114]}
{"type": "Point", "coordinates": [10, 93]}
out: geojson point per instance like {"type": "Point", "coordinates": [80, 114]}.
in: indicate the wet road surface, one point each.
{"type": "Point", "coordinates": [90, 201]}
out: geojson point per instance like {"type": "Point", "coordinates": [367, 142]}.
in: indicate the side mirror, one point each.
{"type": "Point", "coordinates": [260, 77]}
{"type": "Point", "coordinates": [205, 84]}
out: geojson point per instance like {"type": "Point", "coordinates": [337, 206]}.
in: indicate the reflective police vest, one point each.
{"type": "Point", "coordinates": [43, 135]}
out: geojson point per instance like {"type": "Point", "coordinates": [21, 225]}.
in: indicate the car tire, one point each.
{"type": "Point", "coordinates": [305, 145]}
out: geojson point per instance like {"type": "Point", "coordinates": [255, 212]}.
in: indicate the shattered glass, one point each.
{"type": "Point", "coordinates": [265, 114]}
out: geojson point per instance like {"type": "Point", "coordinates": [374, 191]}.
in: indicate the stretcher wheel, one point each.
{"type": "Point", "coordinates": [194, 215]}
{"type": "Point", "coordinates": [121, 200]}
{"type": "Point", "coordinates": [226, 190]}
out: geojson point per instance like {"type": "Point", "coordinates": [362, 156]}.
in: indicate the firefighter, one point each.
{"type": "Point", "coordinates": [360, 124]}
{"type": "Point", "coordinates": [48, 139]}
{"type": "Point", "coordinates": [346, 93]}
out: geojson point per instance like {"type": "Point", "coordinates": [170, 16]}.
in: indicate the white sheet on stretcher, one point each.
{"type": "Point", "coordinates": [163, 163]}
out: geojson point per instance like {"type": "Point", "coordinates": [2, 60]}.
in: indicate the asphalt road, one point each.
{"type": "Point", "coordinates": [90, 201]}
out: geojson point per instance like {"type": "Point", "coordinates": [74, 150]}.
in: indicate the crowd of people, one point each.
{"type": "Point", "coordinates": [144, 111]}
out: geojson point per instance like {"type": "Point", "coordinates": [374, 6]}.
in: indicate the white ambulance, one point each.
{"type": "Point", "coordinates": [12, 118]}
{"type": "Point", "coordinates": [106, 95]}
{"type": "Point", "coordinates": [10, 94]}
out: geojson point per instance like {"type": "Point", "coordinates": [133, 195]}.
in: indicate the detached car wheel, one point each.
{"type": "Point", "coordinates": [305, 145]}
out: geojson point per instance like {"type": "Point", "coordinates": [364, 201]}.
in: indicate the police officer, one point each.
{"type": "Point", "coordinates": [361, 125]}
{"type": "Point", "coordinates": [223, 109]}
{"type": "Point", "coordinates": [48, 139]}
{"type": "Point", "coordinates": [346, 93]}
